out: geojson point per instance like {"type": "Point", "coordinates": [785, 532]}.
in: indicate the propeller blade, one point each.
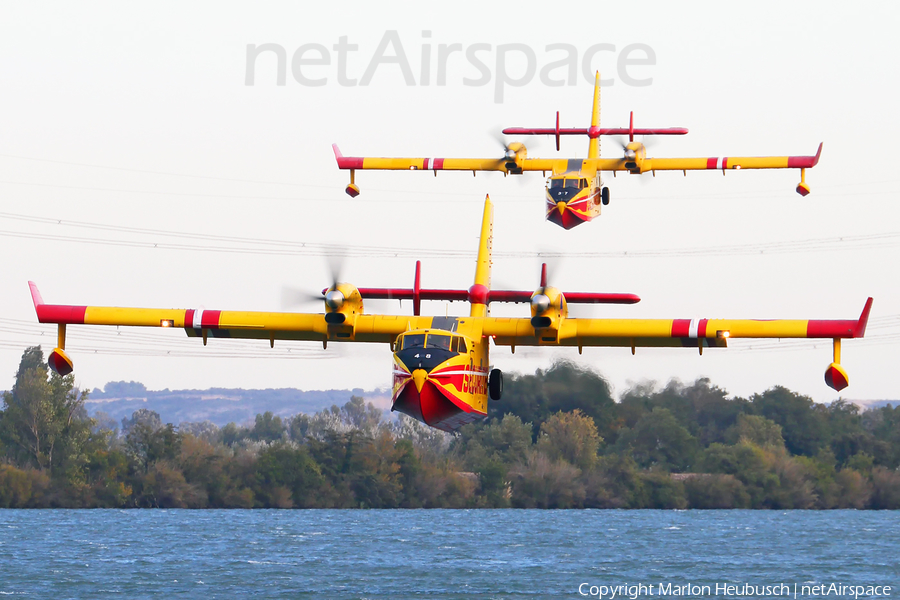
{"type": "Point", "coordinates": [335, 260]}
{"type": "Point", "coordinates": [293, 297]}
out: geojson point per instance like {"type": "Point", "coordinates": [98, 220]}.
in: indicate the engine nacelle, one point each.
{"type": "Point", "coordinates": [635, 153]}
{"type": "Point", "coordinates": [548, 309]}
{"type": "Point", "coordinates": [343, 303]}
{"type": "Point", "coordinates": [516, 153]}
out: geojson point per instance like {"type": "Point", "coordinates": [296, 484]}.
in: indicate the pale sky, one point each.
{"type": "Point", "coordinates": [129, 125]}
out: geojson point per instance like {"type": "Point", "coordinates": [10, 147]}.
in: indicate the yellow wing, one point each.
{"type": "Point", "coordinates": [516, 162]}
{"type": "Point", "coordinates": [691, 333]}
{"type": "Point", "coordinates": [233, 324]}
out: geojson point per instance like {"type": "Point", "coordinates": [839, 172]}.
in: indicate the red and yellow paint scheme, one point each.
{"type": "Point", "coordinates": [441, 365]}
{"type": "Point", "coordinates": [575, 190]}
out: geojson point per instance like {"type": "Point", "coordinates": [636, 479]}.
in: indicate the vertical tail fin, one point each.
{"type": "Point", "coordinates": [594, 144]}
{"type": "Point", "coordinates": [480, 290]}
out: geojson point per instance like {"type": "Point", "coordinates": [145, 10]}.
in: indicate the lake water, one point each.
{"type": "Point", "coordinates": [59, 554]}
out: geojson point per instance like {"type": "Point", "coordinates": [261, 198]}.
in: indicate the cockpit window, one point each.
{"type": "Point", "coordinates": [438, 341]}
{"type": "Point", "coordinates": [459, 345]}
{"type": "Point", "coordinates": [568, 184]}
{"type": "Point", "coordinates": [416, 340]}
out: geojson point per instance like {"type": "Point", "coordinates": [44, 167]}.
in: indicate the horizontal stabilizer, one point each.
{"type": "Point", "coordinates": [511, 296]}
{"type": "Point", "coordinates": [594, 132]}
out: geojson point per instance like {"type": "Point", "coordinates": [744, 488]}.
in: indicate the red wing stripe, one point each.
{"type": "Point", "coordinates": [681, 327]}
{"type": "Point", "coordinates": [210, 319]}
{"type": "Point", "coordinates": [701, 330]}
{"type": "Point", "coordinates": [711, 163]}
{"type": "Point", "coordinates": [830, 329]}
{"type": "Point", "coordinates": [438, 164]}
{"type": "Point", "coordinates": [350, 162]}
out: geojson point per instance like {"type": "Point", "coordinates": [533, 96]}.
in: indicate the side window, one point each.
{"type": "Point", "coordinates": [459, 345]}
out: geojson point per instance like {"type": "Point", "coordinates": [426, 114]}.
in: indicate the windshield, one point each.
{"type": "Point", "coordinates": [567, 184]}
{"type": "Point", "coordinates": [438, 341]}
{"type": "Point", "coordinates": [416, 340]}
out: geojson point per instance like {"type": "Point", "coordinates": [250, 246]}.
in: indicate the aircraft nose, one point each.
{"type": "Point", "coordinates": [561, 206]}
{"type": "Point", "coordinates": [419, 376]}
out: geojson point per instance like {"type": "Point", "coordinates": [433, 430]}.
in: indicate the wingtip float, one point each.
{"type": "Point", "coordinates": [441, 372]}
{"type": "Point", "coordinates": [575, 191]}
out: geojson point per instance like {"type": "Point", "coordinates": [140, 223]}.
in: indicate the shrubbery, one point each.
{"type": "Point", "coordinates": [557, 440]}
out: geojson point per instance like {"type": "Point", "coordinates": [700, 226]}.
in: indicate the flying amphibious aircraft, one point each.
{"type": "Point", "coordinates": [575, 191]}
{"type": "Point", "coordinates": [441, 365]}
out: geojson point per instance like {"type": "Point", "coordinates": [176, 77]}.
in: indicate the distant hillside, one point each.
{"type": "Point", "coordinates": [867, 404]}
{"type": "Point", "coordinates": [120, 399]}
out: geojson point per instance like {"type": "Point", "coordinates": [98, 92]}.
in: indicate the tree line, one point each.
{"type": "Point", "coordinates": [558, 439]}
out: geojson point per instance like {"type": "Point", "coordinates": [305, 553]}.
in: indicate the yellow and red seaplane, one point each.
{"type": "Point", "coordinates": [442, 373]}
{"type": "Point", "coordinates": [575, 190]}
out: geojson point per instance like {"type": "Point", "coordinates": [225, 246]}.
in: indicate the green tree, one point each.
{"type": "Point", "coordinates": [284, 468]}
{"type": "Point", "coordinates": [701, 408]}
{"type": "Point", "coordinates": [747, 463]}
{"type": "Point", "coordinates": [142, 416]}
{"type": "Point", "coordinates": [572, 437]}
{"type": "Point", "coordinates": [148, 441]}
{"type": "Point", "coordinates": [164, 486]}
{"type": "Point", "coordinates": [846, 431]}
{"type": "Point", "coordinates": [44, 422]}
{"type": "Point", "coordinates": [883, 424]}
{"type": "Point", "coordinates": [853, 489]}
{"type": "Point", "coordinates": [267, 428]}
{"type": "Point", "coordinates": [361, 470]}
{"type": "Point", "coordinates": [658, 440]}
{"type": "Point", "coordinates": [804, 424]}
{"type": "Point", "coordinates": [885, 489]}
{"type": "Point", "coordinates": [507, 439]}
{"type": "Point", "coordinates": [663, 491]}
{"type": "Point", "coordinates": [541, 482]}
{"type": "Point", "coordinates": [563, 387]}
{"type": "Point", "coordinates": [716, 491]}
{"type": "Point", "coordinates": [755, 429]}
{"type": "Point", "coordinates": [233, 434]}
{"type": "Point", "coordinates": [615, 482]}
{"type": "Point", "coordinates": [15, 487]}
{"type": "Point", "coordinates": [409, 468]}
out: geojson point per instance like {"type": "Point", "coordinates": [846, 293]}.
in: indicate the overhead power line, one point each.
{"type": "Point", "coordinates": [263, 246]}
